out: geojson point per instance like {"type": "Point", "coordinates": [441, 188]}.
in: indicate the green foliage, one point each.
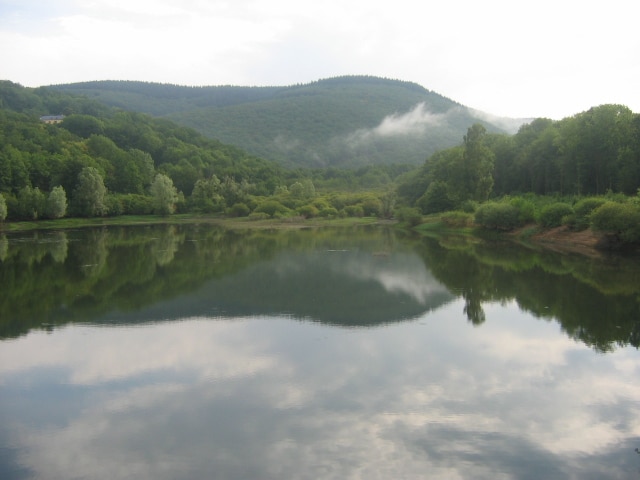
{"type": "Point", "coordinates": [165, 195]}
{"type": "Point", "coordinates": [273, 208]}
{"type": "Point", "coordinates": [56, 205]}
{"type": "Point", "coordinates": [134, 204]}
{"type": "Point", "coordinates": [436, 199]}
{"type": "Point", "coordinates": [327, 123]}
{"type": "Point", "coordinates": [552, 215]}
{"type": "Point", "coordinates": [308, 211]}
{"type": "Point", "coordinates": [526, 209]}
{"type": "Point", "coordinates": [83, 125]}
{"type": "Point", "coordinates": [410, 215]}
{"type": "Point", "coordinates": [582, 210]}
{"type": "Point", "coordinates": [207, 196]}
{"type": "Point", "coordinates": [238, 210]}
{"type": "Point", "coordinates": [328, 212]}
{"type": "Point", "coordinates": [457, 219]}
{"type": "Point", "coordinates": [3, 208]}
{"type": "Point", "coordinates": [619, 219]}
{"type": "Point", "coordinates": [31, 203]}
{"type": "Point", "coordinates": [354, 211]}
{"type": "Point", "coordinates": [498, 216]}
{"type": "Point", "coordinates": [89, 195]}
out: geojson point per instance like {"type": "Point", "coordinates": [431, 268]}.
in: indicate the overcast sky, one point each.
{"type": "Point", "coordinates": [548, 58]}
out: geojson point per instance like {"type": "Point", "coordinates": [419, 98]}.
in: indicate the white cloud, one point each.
{"type": "Point", "coordinates": [549, 59]}
{"type": "Point", "coordinates": [414, 122]}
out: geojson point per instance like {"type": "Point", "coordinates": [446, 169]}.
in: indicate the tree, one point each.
{"type": "Point", "coordinates": [206, 196]}
{"type": "Point", "coordinates": [477, 179]}
{"type": "Point", "coordinates": [164, 195]}
{"type": "Point", "coordinates": [56, 206]}
{"type": "Point", "coordinates": [31, 203]}
{"type": "Point", "coordinates": [3, 208]}
{"type": "Point", "coordinates": [90, 192]}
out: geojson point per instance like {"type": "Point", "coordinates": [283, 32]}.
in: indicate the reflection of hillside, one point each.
{"type": "Point", "coordinates": [349, 288]}
{"type": "Point", "coordinates": [130, 275]}
{"type": "Point", "coordinates": [120, 273]}
{"type": "Point", "coordinates": [594, 300]}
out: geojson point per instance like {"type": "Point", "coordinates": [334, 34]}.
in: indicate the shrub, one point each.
{"type": "Point", "coordinates": [308, 211]}
{"type": "Point", "coordinates": [526, 209]}
{"type": "Point", "coordinates": [410, 215]}
{"type": "Point", "coordinates": [328, 212]}
{"type": "Point", "coordinates": [497, 216]}
{"type": "Point", "coordinates": [552, 215]}
{"type": "Point", "coordinates": [620, 219]}
{"type": "Point", "coordinates": [457, 219]}
{"type": "Point", "coordinates": [238, 210]}
{"type": "Point", "coordinates": [582, 211]}
{"type": "Point", "coordinates": [273, 208]}
{"type": "Point", "coordinates": [354, 211]}
{"type": "Point", "coordinates": [134, 204]}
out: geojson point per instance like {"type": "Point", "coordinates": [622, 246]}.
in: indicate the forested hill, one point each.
{"type": "Point", "coordinates": [340, 122]}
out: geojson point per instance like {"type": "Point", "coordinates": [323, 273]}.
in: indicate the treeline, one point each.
{"type": "Point", "coordinates": [101, 161]}
{"type": "Point", "coordinates": [582, 171]}
{"type": "Point", "coordinates": [590, 153]}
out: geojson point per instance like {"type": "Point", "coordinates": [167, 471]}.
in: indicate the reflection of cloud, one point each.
{"type": "Point", "coordinates": [272, 398]}
{"type": "Point", "coordinates": [129, 352]}
{"type": "Point", "coordinates": [406, 274]}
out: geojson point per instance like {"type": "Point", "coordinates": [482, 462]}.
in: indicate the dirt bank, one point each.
{"type": "Point", "coordinates": [561, 239]}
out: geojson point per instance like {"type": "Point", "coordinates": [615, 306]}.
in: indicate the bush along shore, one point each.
{"type": "Point", "coordinates": [590, 224]}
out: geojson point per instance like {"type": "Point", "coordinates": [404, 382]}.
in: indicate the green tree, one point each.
{"type": "Point", "coordinates": [90, 192]}
{"type": "Point", "coordinates": [164, 194]}
{"type": "Point", "coordinates": [206, 196]}
{"type": "Point", "coordinates": [3, 208]}
{"type": "Point", "coordinates": [476, 181]}
{"type": "Point", "coordinates": [31, 203]}
{"type": "Point", "coordinates": [56, 206]}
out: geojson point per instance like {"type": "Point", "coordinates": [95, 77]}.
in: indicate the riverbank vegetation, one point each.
{"type": "Point", "coordinates": [581, 172]}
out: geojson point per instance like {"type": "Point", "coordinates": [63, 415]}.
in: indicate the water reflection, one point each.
{"type": "Point", "coordinates": [196, 352]}
{"type": "Point", "coordinates": [352, 277]}
{"type": "Point", "coordinates": [271, 398]}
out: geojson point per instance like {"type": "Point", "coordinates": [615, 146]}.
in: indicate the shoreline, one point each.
{"type": "Point", "coordinates": [559, 239]}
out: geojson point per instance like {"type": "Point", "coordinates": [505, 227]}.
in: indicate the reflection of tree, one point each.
{"type": "Point", "coordinates": [4, 247]}
{"type": "Point", "coordinates": [92, 252]}
{"type": "Point", "coordinates": [166, 246]}
{"type": "Point", "coordinates": [592, 302]}
{"type": "Point", "coordinates": [473, 307]}
{"type": "Point", "coordinates": [59, 247]}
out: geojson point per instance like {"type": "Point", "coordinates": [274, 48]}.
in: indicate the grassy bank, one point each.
{"type": "Point", "coordinates": [131, 220]}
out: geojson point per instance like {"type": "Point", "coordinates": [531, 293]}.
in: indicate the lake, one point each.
{"type": "Point", "coordinates": [190, 352]}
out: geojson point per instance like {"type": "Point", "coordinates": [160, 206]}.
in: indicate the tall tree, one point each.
{"type": "Point", "coordinates": [164, 195]}
{"type": "Point", "coordinates": [90, 192]}
{"type": "Point", "coordinates": [56, 206]}
{"type": "Point", "coordinates": [477, 165]}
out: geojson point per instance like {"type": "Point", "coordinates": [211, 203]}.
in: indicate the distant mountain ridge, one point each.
{"type": "Point", "coordinates": [341, 122]}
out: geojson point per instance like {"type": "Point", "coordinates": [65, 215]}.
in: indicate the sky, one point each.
{"type": "Point", "coordinates": [549, 58]}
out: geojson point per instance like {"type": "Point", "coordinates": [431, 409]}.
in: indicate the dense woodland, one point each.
{"type": "Point", "coordinates": [332, 122]}
{"type": "Point", "coordinates": [100, 160]}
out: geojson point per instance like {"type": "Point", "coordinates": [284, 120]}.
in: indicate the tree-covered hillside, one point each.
{"type": "Point", "coordinates": [344, 121]}
{"type": "Point", "coordinates": [97, 160]}
{"type": "Point", "coordinates": [96, 148]}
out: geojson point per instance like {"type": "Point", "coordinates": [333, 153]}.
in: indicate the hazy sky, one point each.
{"type": "Point", "coordinates": [549, 58]}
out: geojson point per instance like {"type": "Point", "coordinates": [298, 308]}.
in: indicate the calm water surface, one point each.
{"type": "Point", "coordinates": [196, 352]}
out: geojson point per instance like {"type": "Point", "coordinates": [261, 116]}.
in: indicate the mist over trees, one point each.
{"type": "Point", "coordinates": [103, 161]}
{"type": "Point", "coordinates": [590, 153]}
